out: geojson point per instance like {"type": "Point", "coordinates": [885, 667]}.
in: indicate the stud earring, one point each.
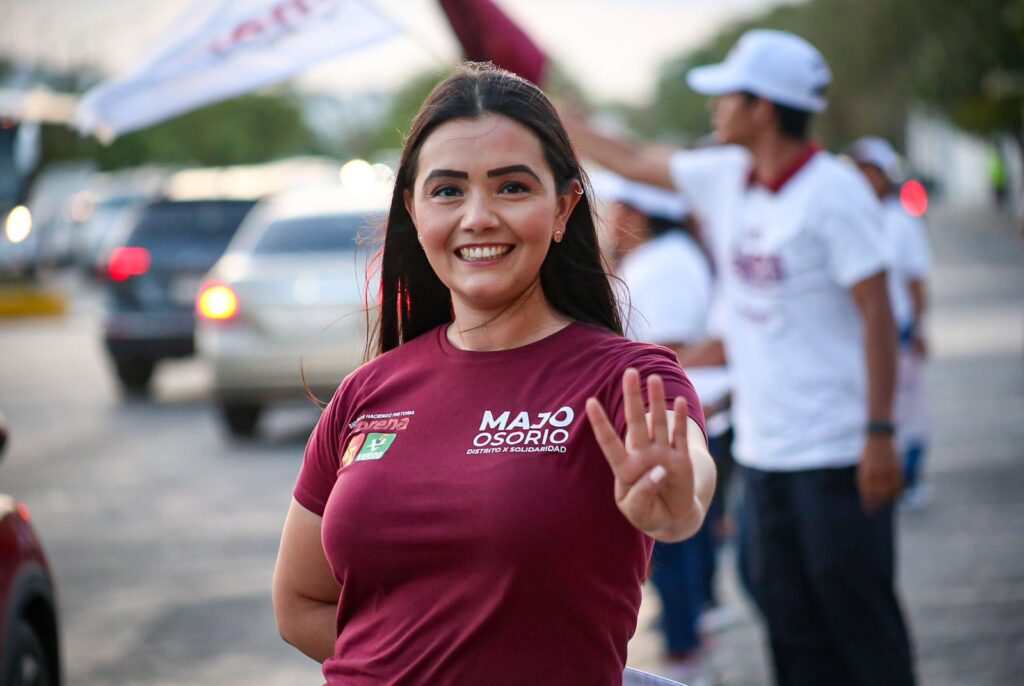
{"type": "Point", "coordinates": [558, 236]}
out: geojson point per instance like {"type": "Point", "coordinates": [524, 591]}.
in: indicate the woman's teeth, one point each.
{"type": "Point", "coordinates": [490, 252]}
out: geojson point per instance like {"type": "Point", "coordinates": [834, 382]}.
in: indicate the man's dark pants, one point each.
{"type": "Point", "coordinates": [821, 571]}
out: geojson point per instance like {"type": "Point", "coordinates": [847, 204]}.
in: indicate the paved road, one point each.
{"type": "Point", "coordinates": [163, 534]}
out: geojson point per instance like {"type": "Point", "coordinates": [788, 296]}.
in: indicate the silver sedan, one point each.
{"type": "Point", "coordinates": [285, 311]}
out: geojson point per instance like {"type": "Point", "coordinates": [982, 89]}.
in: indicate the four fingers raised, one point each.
{"type": "Point", "coordinates": [640, 435]}
{"type": "Point", "coordinates": [607, 437]}
{"type": "Point", "coordinates": [637, 437]}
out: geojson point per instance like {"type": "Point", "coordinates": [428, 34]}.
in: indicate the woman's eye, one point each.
{"type": "Point", "coordinates": [446, 191]}
{"type": "Point", "coordinates": [514, 187]}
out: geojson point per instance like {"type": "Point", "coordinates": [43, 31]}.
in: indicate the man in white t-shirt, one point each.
{"type": "Point", "coordinates": [909, 265]}
{"type": "Point", "coordinates": [811, 344]}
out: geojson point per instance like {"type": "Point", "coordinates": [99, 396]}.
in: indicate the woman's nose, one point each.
{"type": "Point", "coordinates": [478, 212]}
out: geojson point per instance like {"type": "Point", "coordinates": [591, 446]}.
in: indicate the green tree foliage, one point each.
{"type": "Point", "coordinates": [244, 130]}
{"type": "Point", "coordinates": [391, 132]}
{"type": "Point", "coordinates": [971, 63]}
{"type": "Point", "coordinates": [885, 54]}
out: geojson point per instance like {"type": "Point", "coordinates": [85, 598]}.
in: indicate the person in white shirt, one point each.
{"type": "Point", "coordinates": [665, 293]}
{"type": "Point", "coordinates": [660, 260]}
{"type": "Point", "coordinates": [811, 344]}
{"type": "Point", "coordinates": [910, 263]}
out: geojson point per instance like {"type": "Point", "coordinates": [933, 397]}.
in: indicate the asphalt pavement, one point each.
{"type": "Point", "coordinates": [163, 533]}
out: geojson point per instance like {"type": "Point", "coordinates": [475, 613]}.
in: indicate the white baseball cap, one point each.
{"type": "Point", "coordinates": [876, 151]}
{"type": "Point", "coordinates": [650, 200]}
{"type": "Point", "coordinates": [775, 65]}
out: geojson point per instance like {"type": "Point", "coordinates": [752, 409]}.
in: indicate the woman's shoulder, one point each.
{"type": "Point", "coordinates": [408, 355]}
{"type": "Point", "coordinates": [612, 355]}
{"type": "Point", "coordinates": [609, 349]}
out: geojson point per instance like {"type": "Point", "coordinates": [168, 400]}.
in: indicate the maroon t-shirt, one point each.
{"type": "Point", "coordinates": [469, 516]}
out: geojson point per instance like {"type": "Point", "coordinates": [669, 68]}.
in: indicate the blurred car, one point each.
{"type": "Point", "coordinates": [284, 310]}
{"type": "Point", "coordinates": [19, 244]}
{"type": "Point", "coordinates": [154, 267]}
{"type": "Point", "coordinates": [36, 234]}
{"type": "Point", "coordinates": [29, 635]}
{"type": "Point", "coordinates": [112, 198]}
{"type": "Point", "coordinates": [104, 217]}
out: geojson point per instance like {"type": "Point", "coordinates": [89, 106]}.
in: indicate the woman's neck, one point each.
{"type": "Point", "coordinates": [525, 321]}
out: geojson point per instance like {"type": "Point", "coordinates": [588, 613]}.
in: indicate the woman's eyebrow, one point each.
{"type": "Point", "coordinates": [446, 173]}
{"type": "Point", "coordinates": [513, 169]}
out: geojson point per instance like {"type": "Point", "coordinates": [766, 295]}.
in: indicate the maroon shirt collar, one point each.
{"type": "Point", "coordinates": [775, 185]}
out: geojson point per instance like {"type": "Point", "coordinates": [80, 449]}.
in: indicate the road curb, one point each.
{"type": "Point", "coordinates": [23, 301]}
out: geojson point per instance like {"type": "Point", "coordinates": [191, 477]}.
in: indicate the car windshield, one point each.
{"type": "Point", "coordinates": [207, 223]}
{"type": "Point", "coordinates": [324, 233]}
{"type": "Point", "coordinates": [116, 203]}
{"type": "Point", "coordinates": [12, 179]}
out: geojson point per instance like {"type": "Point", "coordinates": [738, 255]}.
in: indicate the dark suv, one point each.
{"type": "Point", "coordinates": [153, 272]}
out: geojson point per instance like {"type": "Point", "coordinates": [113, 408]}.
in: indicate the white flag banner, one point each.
{"type": "Point", "coordinates": [223, 48]}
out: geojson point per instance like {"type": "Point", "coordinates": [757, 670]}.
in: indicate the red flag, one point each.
{"type": "Point", "coordinates": [486, 33]}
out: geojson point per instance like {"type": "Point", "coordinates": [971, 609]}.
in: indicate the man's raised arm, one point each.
{"type": "Point", "coordinates": [640, 162]}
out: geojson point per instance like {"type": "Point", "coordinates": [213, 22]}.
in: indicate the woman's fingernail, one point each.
{"type": "Point", "coordinates": [658, 474]}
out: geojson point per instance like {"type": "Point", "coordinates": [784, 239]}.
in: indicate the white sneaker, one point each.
{"type": "Point", "coordinates": [717, 619]}
{"type": "Point", "coordinates": [694, 670]}
{"type": "Point", "coordinates": [916, 498]}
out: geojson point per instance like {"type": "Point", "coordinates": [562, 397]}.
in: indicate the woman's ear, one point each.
{"type": "Point", "coordinates": [567, 202]}
{"type": "Point", "coordinates": [407, 199]}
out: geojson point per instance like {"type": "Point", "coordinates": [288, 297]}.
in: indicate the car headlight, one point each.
{"type": "Point", "coordinates": [18, 225]}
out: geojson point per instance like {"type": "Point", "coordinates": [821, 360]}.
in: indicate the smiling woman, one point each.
{"type": "Point", "coordinates": [466, 511]}
{"type": "Point", "coordinates": [486, 149]}
{"type": "Point", "coordinates": [487, 230]}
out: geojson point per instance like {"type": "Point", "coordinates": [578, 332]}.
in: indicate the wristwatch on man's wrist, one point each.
{"type": "Point", "coordinates": [881, 427]}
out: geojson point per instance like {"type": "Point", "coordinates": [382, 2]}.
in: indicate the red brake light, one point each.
{"type": "Point", "coordinates": [23, 512]}
{"type": "Point", "coordinates": [125, 263]}
{"type": "Point", "coordinates": [216, 301]}
{"type": "Point", "coordinates": [914, 198]}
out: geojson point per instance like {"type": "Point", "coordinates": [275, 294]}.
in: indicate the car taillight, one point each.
{"type": "Point", "coordinates": [125, 263]}
{"type": "Point", "coordinates": [216, 301]}
{"type": "Point", "coordinates": [23, 512]}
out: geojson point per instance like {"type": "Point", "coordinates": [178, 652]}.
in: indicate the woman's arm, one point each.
{"type": "Point", "coordinates": [305, 592]}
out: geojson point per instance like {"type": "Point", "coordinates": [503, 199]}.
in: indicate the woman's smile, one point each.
{"type": "Point", "coordinates": [483, 254]}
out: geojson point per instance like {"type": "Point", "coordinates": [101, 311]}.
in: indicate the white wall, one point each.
{"type": "Point", "coordinates": [1014, 174]}
{"type": "Point", "coordinates": [958, 161]}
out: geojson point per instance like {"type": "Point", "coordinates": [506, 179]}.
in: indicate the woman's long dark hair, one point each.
{"type": "Point", "coordinates": [413, 299]}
